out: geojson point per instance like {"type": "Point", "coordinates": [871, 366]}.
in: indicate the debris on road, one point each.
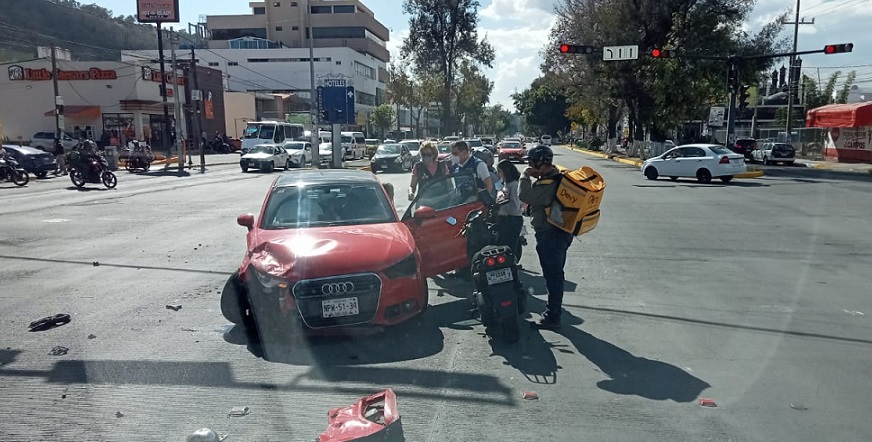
{"type": "Point", "coordinates": [174, 307]}
{"type": "Point", "coordinates": [119, 414]}
{"type": "Point", "coordinates": [189, 329]}
{"type": "Point", "coordinates": [92, 336]}
{"type": "Point", "coordinates": [371, 418]}
{"type": "Point", "coordinates": [205, 435]}
{"type": "Point", "coordinates": [49, 322]}
{"type": "Point", "coordinates": [798, 406]}
{"type": "Point", "coordinates": [58, 351]}
{"type": "Point", "coordinates": [96, 263]}
{"type": "Point", "coordinates": [531, 395]}
{"type": "Point", "coordinates": [239, 411]}
{"type": "Point", "coordinates": [705, 402]}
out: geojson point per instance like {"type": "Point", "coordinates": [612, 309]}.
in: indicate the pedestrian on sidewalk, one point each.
{"type": "Point", "coordinates": [552, 243]}
{"type": "Point", "coordinates": [60, 156]}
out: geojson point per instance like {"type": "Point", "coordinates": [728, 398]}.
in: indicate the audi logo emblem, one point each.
{"type": "Point", "coordinates": [337, 288]}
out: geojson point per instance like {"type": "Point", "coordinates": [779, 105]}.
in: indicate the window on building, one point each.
{"type": "Point", "coordinates": [344, 9]}
{"type": "Point", "coordinates": [339, 32]}
{"type": "Point", "coordinates": [232, 63]}
{"type": "Point", "coordinates": [277, 4]}
{"type": "Point", "coordinates": [295, 28]}
{"type": "Point", "coordinates": [364, 70]}
{"type": "Point", "coordinates": [278, 28]}
{"type": "Point", "coordinates": [230, 34]}
{"type": "Point", "coordinates": [364, 98]}
{"type": "Point", "coordinates": [338, 62]}
{"type": "Point", "coordinates": [213, 63]}
{"type": "Point", "coordinates": [293, 4]}
{"type": "Point", "coordinates": [252, 43]}
{"type": "Point", "coordinates": [322, 9]}
{"type": "Point", "coordinates": [259, 10]}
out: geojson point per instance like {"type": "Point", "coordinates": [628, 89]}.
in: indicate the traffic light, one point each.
{"type": "Point", "coordinates": [743, 96]}
{"type": "Point", "coordinates": [838, 49]}
{"type": "Point", "coordinates": [662, 53]}
{"type": "Point", "coordinates": [575, 49]}
{"type": "Point", "coordinates": [733, 76]}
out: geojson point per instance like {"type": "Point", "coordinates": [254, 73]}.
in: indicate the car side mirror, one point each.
{"type": "Point", "coordinates": [246, 220]}
{"type": "Point", "coordinates": [424, 212]}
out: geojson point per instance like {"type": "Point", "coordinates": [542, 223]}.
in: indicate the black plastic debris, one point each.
{"type": "Point", "coordinates": [49, 322]}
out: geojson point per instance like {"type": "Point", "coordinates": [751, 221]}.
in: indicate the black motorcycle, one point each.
{"type": "Point", "coordinates": [92, 169]}
{"type": "Point", "coordinates": [10, 171]}
{"type": "Point", "coordinates": [140, 159]}
{"type": "Point", "coordinates": [499, 296]}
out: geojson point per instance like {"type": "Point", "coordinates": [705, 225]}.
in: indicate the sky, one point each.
{"type": "Point", "coordinates": [518, 31]}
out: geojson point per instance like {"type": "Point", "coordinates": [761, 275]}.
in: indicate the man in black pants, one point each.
{"type": "Point", "coordinates": [551, 242]}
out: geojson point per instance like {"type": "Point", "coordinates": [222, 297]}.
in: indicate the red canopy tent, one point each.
{"type": "Point", "coordinates": [850, 130]}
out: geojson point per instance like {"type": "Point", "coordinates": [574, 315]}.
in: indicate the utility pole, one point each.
{"type": "Point", "coordinates": [196, 96]}
{"type": "Point", "coordinates": [791, 81]}
{"type": "Point", "coordinates": [59, 101]}
{"type": "Point", "coordinates": [313, 99]}
{"type": "Point", "coordinates": [177, 111]}
{"type": "Point", "coordinates": [733, 84]}
{"type": "Point", "coordinates": [163, 89]}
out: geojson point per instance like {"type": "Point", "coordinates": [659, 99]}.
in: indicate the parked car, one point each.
{"type": "Point", "coordinates": [390, 157]}
{"type": "Point", "coordinates": [414, 147]}
{"type": "Point", "coordinates": [33, 160]}
{"type": "Point", "coordinates": [745, 146]}
{"type": "Point", "coordinates": [774, 153]}
{"type": "Point", "coordinates": [266, 157]}
{"type": "Point", "coordinates": [700, 161]}
{"type": "Point", "coordinates": [45, 141]}
{"type": "Point", "coordinates": [512, 151]}
{"type": "Point", "coordinates": [299, 152]}
{"type": "Point", "coordinates": [546, 140]}
{"type": "Point", "coordinates": [444, 148]}
{"type": "Point", "coordinates": [328, 254]}
{"type": "Point", "coordinates": [354, 144]}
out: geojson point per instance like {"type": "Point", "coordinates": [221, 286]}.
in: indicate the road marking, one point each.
{"type": "Point", "coordinates": [56, 220]}
{"type": "Point", "coordinates": [854, 313]}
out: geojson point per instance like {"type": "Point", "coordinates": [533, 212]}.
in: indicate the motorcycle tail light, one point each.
{"type": "Point", "coordinates": [501, 259]}
{"type": "Point", "coordinates": [506, 303]}
{"type": "Point", "coordinates": [490, 262]}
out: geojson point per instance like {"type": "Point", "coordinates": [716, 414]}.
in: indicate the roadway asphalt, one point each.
{"type": "Point", "coordinates": [752, 294]}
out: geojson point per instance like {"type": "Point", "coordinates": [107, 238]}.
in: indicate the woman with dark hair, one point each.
{"type": "Point", "coordinates": [510, 215]}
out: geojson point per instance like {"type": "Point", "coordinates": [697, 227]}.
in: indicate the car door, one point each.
{"type": "Point", "coordinates": [668, 166]}
{"type": "Point", "coordinates": [692, 159]}
{"type": "Point", "coordinates": [436, 217]}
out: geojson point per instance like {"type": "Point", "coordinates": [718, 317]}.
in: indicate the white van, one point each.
{"type": "Point", "coordinates": [546, 140]}
{"type": "Point", "coordinates": [269, 132]}
{"type": "Point", "coordinates": [354, 144]}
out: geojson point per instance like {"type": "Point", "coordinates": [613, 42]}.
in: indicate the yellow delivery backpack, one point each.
{"type": "Point", "coordinates": [576, 205]}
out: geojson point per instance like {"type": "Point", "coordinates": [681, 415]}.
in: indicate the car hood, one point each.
{"type": "Point", "coordinates": [324, 251]}
{"type": "Point", "coordinates": [256, 156]}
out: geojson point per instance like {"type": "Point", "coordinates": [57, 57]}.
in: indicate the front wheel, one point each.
{"type": "Point", "coordinates": [766, 161]}
{"type": "Point", "coordinates": [41, 174]}
{"type": "Point", "coordinates": [20, 177]}
{"type": "Point", "coordinates": [651, 173]}
{"type": "Point", "coordinates": [244, 168]}
{"type": "Point", "coordinates": [511, 330]}
{"type": "Point", "coordinates": [287, 164]}
{"type": "Point", "coordinates": [109, 179]}
{"type": "Point", "coordinates": [77, 178]}
{"type": "Point", "coordinates": [703, 176]}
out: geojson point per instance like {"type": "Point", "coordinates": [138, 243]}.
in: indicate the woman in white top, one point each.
{"type": "Point", "coordinates": [510, 215]}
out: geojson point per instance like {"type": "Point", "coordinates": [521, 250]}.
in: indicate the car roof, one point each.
{"type": "Point", "coordinates": [325, 176]}
{"type": "Point", "coordinates": [23, 149]}
{"type": "Point", "coordinates": [709, 146]}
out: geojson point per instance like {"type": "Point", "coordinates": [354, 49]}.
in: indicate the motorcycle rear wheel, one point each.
{"type": "Point", "coordinates": [20, 177]}
{"type": "Point", "coordinates": [511, 330]}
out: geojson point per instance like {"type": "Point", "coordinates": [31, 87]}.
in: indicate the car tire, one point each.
{"type": "Point", "coordinates": [233, 300]}
{"type": "Point", "coordinates": [270, 167]}
{"type": "Point", "coordinates": [651, 173]}
{"type": "Point", "coordinates": [766, 161]}
{"type": "Point", "coordinates": [673, 178]}
{"type": "Point", "coordinates": [244, 168]}
{"type": "Point", "coordinates": [726, 179]}
{"type": "Point", "coordinates": [704, 176]}
{"type": "Point", "coordinates": [287, 164]}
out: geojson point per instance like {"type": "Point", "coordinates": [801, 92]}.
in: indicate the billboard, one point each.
{"type": "Point", "coordinates": [157, 11]}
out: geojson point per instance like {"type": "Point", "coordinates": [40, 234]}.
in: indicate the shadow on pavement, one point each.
{"type": "Point", "coordinates": [172, 171]}
{"type": "Point", "coordinates": [712, 185]}
{"type": "Point", "coordinates": [433, 383]}
{"type": "Point", "coordinates": [102, 188]}
{"type": "Point", "coordinates": [813, 173]}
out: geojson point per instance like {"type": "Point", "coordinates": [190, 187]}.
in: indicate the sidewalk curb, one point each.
{"type": "Point", "coordinates": [638, 163]}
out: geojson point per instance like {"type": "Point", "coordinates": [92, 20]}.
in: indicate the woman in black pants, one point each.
{"type": "Point", "coordinates": [510, 216]}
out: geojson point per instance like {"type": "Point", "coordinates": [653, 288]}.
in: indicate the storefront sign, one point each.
{"type": "Point", "coordinates": [154, 75]}
{"type": "Point", "coordinates": [18, 73]}
{"type": "Point", "coordinates": [157, 11]}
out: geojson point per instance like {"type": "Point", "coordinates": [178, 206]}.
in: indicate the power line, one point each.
{"type": "Point", "coordinates": [839, 6]}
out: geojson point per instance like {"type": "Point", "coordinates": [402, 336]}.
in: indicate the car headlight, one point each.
{"type": "Point", "coordinates": [407, 267]}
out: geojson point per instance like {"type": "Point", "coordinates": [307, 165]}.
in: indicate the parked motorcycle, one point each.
{"type": "Point", "coordinates": [92, 169]}
{"type": "Point", "coordinates": [10, 171]}
{"type": "Point", "coordinates": [499, 296]}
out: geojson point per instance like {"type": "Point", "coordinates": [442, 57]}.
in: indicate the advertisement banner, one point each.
{"type": "Point", "coordinates": [157, 11]}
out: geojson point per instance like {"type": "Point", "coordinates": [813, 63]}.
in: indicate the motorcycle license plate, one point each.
{"type": "Point", "coordinates": [498, 276]}
{"type": "Point", "coordinates": [333, 308]}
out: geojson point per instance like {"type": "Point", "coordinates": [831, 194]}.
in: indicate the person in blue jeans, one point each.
{"type": "Point", "coordinates": [551, 242]}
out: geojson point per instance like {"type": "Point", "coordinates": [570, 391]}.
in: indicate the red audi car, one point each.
{"type": "Point", "coordinates": [512, 151]}
{"type": "Point", "coordinates": [328, 254]}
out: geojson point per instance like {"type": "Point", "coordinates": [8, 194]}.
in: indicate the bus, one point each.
{"type": "Point", "coordinates": [269, 132]}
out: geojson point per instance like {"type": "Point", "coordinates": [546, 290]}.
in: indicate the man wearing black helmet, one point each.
{"type": "Point", "coordinates": [551, 242]}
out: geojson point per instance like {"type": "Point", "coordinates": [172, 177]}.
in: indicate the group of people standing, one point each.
{"type": "Point", "coordinates": [510, 189]}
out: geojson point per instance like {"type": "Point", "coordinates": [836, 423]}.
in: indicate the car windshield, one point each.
{"type": "Point", "coordinates": [261, 149]}
{"type": "Point", "coordinates": [293, 207]}
{"type": "Point", "coordinates": [474, 143]}
{"type": "Point", "coordinates": [346, 139]}
{"type": "Point", "coordinates": [511, 145]}
{"type": "Point", "coordinates": [412, 145]}
{"type": "Point", "coordinates": [782, 147]}
{"type": "Point", "coordinates": [295, 146]}
{"type": "Point", "coordinates": [444, 148]}
{"type": "Point", "coordinates": [261, 131]}
{"type": "Point", "coordinates": [389, 149]}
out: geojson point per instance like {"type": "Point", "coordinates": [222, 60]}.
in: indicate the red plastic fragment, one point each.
{"type": "Point", "coordinates": [705, 402]}
{"type": "Point", "coordinates": [372, 418]}
{"type": "Point", "coordinates": [531, 395]}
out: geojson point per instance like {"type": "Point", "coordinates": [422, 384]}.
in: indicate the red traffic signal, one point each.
{"type": "Point", "coordinates": [838, 49]}
{"type": "Point", "coordinates": [662, 53]}
{"type": "Point", "coordinates": [575, 49]}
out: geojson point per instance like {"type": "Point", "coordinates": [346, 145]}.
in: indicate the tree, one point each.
{"type": "Point", "coordinates": [382, 117]}
{"type": "Point", "coordinates": [842, 98]}
{"type": "Point", "coordinates": [442, 34]}
{"type": "Point", "coordinates": [543, 107]}
{"type": "Point", "coordinates": [496, 120]}
{"type": "Point", "coordinates": [473, 93]}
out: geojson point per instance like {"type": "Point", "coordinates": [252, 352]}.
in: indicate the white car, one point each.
{"type": "Point", "coordinates": [45, 141]}
{"type": "Point", "coordinates": [265, 157]}
{"type": "Point", "coordinates": [300, 152]}
{"type": "Point", "coordinates": [770, 153]}
{"type": "Point", "coordinates": [700, 161]}
{"type": "Point", "coordinates": [325, 154]}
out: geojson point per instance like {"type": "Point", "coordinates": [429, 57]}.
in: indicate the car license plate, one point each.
{"type": "Point", "coordinates": [498, 276]}
{"type": "Point", "coordinates": [737, 161]}
{"type": "Point", "coordinates": [333, 308]}
{"type": "Point", "coordinates": [384, 166]}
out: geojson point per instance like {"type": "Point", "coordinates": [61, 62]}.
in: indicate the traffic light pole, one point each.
{"type": "Point", "coordinates": [732, 81]}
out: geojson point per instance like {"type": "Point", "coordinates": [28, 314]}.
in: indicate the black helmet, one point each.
{"type": "Point", "coordinates": [541, 154]}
